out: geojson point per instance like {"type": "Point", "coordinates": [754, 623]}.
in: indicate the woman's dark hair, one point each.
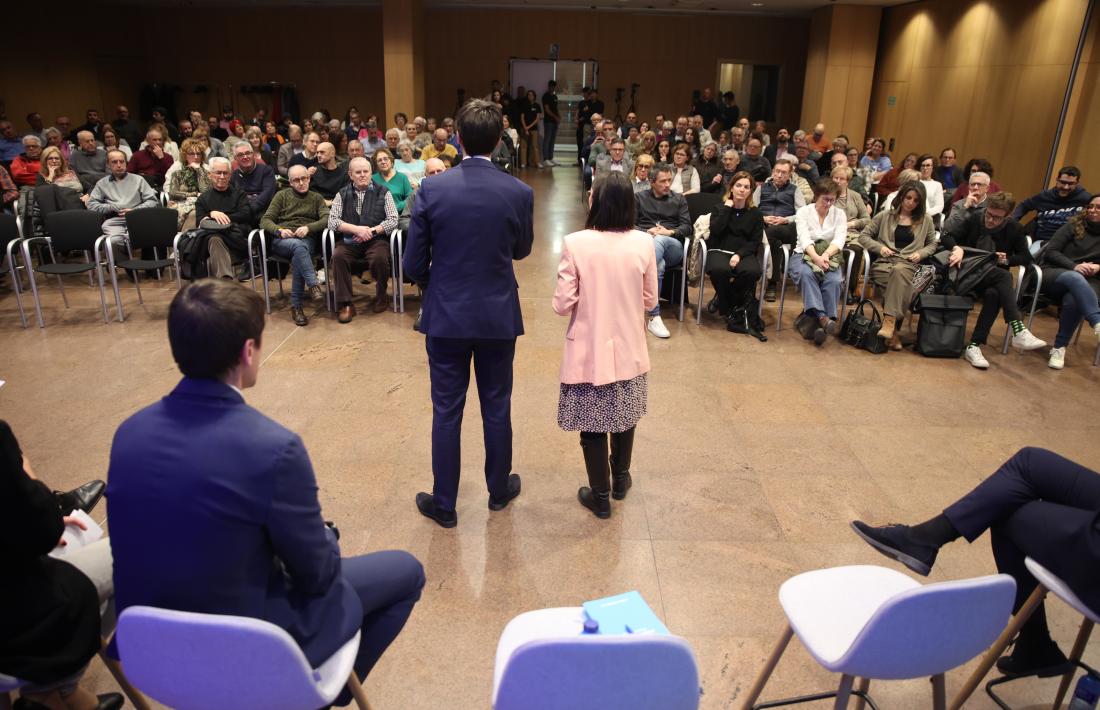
{"type": "Point", "coordinates": [825, 186]}
{"type": "Point", "coordinates": [209, 322]}
{"type": "Point", "coordinates": [903, 192]}
{"type": "Point", "coordinates": [612, 204]}
{"type": "Point", "coordinates": [981, 164]}
{"type": "Point", "coordinates": [926, 156]}
{"type": "Point", "coordinates": [479, 125]}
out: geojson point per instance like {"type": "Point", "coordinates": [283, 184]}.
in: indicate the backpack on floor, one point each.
{"type": "Point", "coordinates": [941, 331]}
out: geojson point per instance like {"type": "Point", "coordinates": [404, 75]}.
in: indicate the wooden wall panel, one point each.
{"type": "Point", "coordinates": [667, 55]}
{"type": "Point", "coordinates": [986, 78]}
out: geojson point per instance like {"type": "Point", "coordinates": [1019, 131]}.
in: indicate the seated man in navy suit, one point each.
{"type": "Point", "coordinates": [467, 227]}
{"type": "Point", "coordinates": [214, 507]}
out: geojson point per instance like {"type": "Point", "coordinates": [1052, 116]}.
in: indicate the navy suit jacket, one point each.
{"type": "Point", "coordinates": [213, 509]}
{"type": "Point", "coordinates": [467, 226]}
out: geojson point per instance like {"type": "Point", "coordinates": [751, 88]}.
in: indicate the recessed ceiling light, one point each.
{"type": "Point", "coordinates": [758, 4]}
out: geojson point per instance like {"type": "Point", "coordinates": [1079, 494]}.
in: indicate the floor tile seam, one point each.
{"type": "Point", "coordinates": [283, 342]}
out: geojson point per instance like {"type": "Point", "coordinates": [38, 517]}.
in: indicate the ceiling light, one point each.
{"type": "Point", "coordinates": [758, 4]}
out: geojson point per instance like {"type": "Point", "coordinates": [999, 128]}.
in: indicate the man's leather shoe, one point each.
{"type": "Point", "coordinates": [1043, 659]}
{"type": "Point", "coordinates": [416, 323]}
{"type": "Point", "coordinates": [299, 316]}
{"type": "Point", "coordinates": [380, 304]}
{"type": "Point", "coordinates": [513, 491]}
{"type": "Point", "coordinates": [82, 498]}
{"type": "Point", "coordinates": [895, 542]}
{"type": "Point", "coordinates": [316, 293]}
{"type": "Point", "coordinates": [425, 503]}
{"type": "Point", "coordinates": [346, 313]}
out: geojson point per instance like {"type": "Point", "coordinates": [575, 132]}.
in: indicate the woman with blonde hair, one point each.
{"type": "Point", "coordinates": [188, 182]}
{"type": "Point", "coordinates": [642, 169]}
{"type": "Point", "coordinates": [56, 170]}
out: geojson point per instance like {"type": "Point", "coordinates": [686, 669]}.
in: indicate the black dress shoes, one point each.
{"type": "Point", "coordinates": [1043, 659]}
{"type": "Point", "coordinates": [513, 491]}
{"type": "Point", "coordinates": [107, 701]}
{"type": "Point", "coordinates": [425, 503]}
{"type": "Point", "coordinates": [895, 542]}
{"type": "Point", "coordinates": [83, 498]}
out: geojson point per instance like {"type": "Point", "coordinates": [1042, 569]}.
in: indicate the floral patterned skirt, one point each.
{"type": "Point", "coordinates": [614, 407]}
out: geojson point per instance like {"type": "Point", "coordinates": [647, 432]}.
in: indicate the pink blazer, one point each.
{"type": "Point", "coordinates": [606, 281]}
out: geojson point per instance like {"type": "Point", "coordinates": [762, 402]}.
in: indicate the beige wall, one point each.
{"type": "Point", "coordinates": [986, 78]}
{"type": "Point", "coordinates": [840, 66]}
{"type": "Point", "coordinates": [667, 55]}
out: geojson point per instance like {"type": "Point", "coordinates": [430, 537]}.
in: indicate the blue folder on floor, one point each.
{"type": "Point", "coordinates": [624, 614]}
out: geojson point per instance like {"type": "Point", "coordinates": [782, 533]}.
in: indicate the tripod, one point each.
{"type": "Point", "coordinates": [618, 106]}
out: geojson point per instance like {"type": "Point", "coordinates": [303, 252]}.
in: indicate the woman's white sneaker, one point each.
{"type": "Point", "coordinates": [1057, 358]}
{"type": "Point", "coordinates": [1024, 340]}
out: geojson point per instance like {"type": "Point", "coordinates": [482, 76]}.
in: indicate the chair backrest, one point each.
{"type": "Point", "coordinates": [1061, 590]}
{"type": "Point", "coordinates": [152, 227]}
{"type": "Point", "coordinates": [74, 229]}
{"type": "Point", "coordinates": [594, 672]}
{"type": "Point", "coordinates": [196, 661]}
{"type": "Point", "coordinates": [931, 629]}
{"type": "Point", "coordinates": [701, 203]}
{"type": "Point", "coordinates": [9, 230]}
{"type": "Point", "coordinates": [9, 683]}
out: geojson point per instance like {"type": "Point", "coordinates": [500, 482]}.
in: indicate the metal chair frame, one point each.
{"type": "Point", "coordinates": [11, 253]}
{"type": "Point", "coordinates": [849, 255]}
{"type": "Point", "coordinates": [101, 242]}
{"type": "Point", "coordinates": [330, 294]}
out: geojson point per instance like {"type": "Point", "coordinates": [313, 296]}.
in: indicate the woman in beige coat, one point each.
{"type": "Point", "coordinates": [900, 238]}
{"type": "Point", "coordinates": [607, 279]}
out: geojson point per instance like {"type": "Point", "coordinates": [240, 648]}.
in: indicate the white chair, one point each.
{"type": "Point", "coordinates": [545, 662]}
{"type": "Point", "coordinates": [1048, 582]}
{"type": "Point", "coordinates": [196, 661]}
{"type": "Point", "coordinates": [870, 622]}
{"type": "Point", "coordinates": [762, 285]}
{"type": "Point", "coordinates": [849, 258]}
{"type": "Point", "coordinates": [259, 236]}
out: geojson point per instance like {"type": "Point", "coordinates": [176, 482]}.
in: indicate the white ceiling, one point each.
{"type": "Point", "coordinates": [756, 7]}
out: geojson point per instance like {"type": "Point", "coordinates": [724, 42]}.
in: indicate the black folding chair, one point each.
{"type": "Point", "coordinates": [152, 229]}
{"type": "Point", "coordinates": [10, 242]}
{"type": "Point", "coordinates": [69, 230]}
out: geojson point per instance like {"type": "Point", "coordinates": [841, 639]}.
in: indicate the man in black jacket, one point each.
{"type": "Point", "coordinates": [227, 205]}
{"type": "Point", "coordinates": [993, 230]}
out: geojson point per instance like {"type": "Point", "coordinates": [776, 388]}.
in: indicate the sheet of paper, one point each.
{"type": "Point", "coordinates": [75, 538]}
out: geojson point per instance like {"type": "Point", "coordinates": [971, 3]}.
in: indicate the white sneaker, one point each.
{"type": "Point", "coordinates": [1057, 358]}
{"type": "Point", "coordinates": [657, 327]}
{"type": "Point", "coordinates": [553, 163]}
{"type": "Point", "coordinates": [1096, 329]}
{"type": "Point", "coordinates": [973, 355]}
{"type": "Point", "coordinates": [1024, 340]}
{"type": "Point", "coordinates": [321, 276]}
{"type": "Point", "coordinates": [544, 164]}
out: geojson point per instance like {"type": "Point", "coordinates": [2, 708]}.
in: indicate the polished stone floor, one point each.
{"type": "Point", "coordinates": [752, 460]}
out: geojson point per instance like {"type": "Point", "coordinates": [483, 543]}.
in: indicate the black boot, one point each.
{"type": "Point", "coordinates": [594, 496]}
{"type": "Point", "coordinates": [622, 445]}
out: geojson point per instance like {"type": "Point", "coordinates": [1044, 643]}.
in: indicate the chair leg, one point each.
{"type": "Point", "coordinates": [109, 248]}
{"type": "Point", "coordinates": [357, 692]}
{"type": "Point", "coordinates": [861, 690]}
{"type": "Point", "coordinates": [136, 698]}
{"type": "Point", "coordinates": [843, 692]}
{"type": "Point", "coordinates": [939, 692]}
{"type": "Point", "coordinates": [34, 284]}
{"type": "Point", "coordinates": [782, 297]}
{"type": "Point", "coordinates": [998, 647]}
{"type": "Point", "coordinates": [1075, 656]}
{"type": "Point", "coordinates": [769, 667]}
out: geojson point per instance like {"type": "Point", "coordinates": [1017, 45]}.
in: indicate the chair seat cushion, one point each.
{"type": "Point", "coordinates": [828, 608]}
{"type": "Point", "coordinates": [64, 269]}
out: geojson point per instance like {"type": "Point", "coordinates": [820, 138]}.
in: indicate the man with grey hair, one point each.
{"type": "Point", "coordinates": [224, 207]}
{"type": "Point", "coordinates": [423, 137]}
{"type": "Point", "coordinates": [25, 166]}
{"type": "Point", "coordinates": [288, 150]}
{"type": "Point", "coordinates": [89, 161]}
{"type": "Point", "coordinates": [293, 223]}
{"type": "Point", "coordinates": [363, 214]}
{"type": "Point", "coordinates": [974, 202]}
{"type": "Point", "coordinates": [116, 194]}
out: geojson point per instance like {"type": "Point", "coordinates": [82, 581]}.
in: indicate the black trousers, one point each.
{"type": "Point", "coordinates": [778, 235]}
{"type": "Point", "coordinates": [733, 286]}
{"type": "Point", "coordinates": [449, 368]}
{"type": "Point", "coordinates": [1039, 505]}
{"type": "Point", "coordinates": [996, 294]}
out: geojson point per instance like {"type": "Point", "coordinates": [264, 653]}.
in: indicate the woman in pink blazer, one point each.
{"type": "Point", "coordinates": [607, 280]}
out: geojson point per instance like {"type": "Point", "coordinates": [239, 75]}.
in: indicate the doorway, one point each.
{"type": "Point", "coordinates": [755, 87]}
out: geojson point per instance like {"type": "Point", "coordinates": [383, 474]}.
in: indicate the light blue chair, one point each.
{"type": "Point", "coordinates": [191, 661]}
{"type": "Point", "coordinates": [545, 662]}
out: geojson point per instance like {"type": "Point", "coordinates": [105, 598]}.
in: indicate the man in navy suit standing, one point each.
{"type": "Point", "coordinates": [214, 509]}
{"type": "Point", "coordinates": [467, 227]}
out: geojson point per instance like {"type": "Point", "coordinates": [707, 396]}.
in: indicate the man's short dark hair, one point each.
{"type": "Point", "coordinates": [728, 96]}
{"type": "Point", "coordinates": [612, 204]}
{"type": "Point", "coordinates": [479, 124]}
{"type": "Point", "coordinates": [1071, 170]}
{"type": "Point", "coordinates": [209, 322]}
{"type": "Point", "coordinates": [661, 168]}
{"type": "Point", "coordinates": [551, 83]}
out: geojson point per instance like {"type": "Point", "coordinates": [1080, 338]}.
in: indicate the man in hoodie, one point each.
{"type": "Point", "coordinates": [1054, 206]}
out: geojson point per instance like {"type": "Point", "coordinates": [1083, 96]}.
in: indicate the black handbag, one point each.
{"type": "Point", "coordinates": [861, 332]}
{"type": "Point", "coordinates": [942, 328]}
{"type": "Point", "coordinates": [961, 280]}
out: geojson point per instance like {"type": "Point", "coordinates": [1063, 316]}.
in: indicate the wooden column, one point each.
{"type": "Point", "coordinates": [840, 68]}
{"type": "Point", "coordinates": [403, 57]}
